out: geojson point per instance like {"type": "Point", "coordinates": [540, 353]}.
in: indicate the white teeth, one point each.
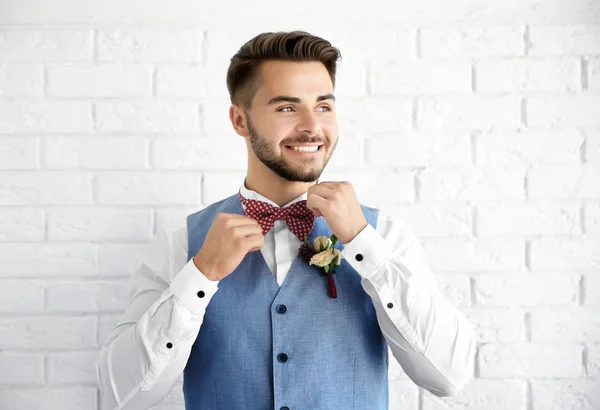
{"type": "Point", "coordinates": [306, 149]}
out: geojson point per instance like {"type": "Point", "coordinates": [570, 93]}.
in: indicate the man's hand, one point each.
{"type": "Point", "coordinates": [337, 203]}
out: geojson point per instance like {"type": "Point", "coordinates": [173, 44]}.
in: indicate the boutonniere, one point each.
{"type": "Point", "coordinates": [324, 255]}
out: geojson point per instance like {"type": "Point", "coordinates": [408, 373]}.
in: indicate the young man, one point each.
{"type": "Point", "coordinates": [227, 300]}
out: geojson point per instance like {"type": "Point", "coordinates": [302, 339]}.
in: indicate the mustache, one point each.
{"type": "Point", "coordinates": [305, 141]}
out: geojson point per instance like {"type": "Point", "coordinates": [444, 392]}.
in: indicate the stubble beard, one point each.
{"type": "Point", "coordinates": [278, 164]}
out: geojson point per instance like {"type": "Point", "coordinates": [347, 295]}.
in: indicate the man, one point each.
{"type": "Point", "coordinates": [227, 300]}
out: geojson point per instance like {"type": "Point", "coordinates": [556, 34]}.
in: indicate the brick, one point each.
{"type": "Point", "coordinates": [573, 39]}
{"type": "Point", "coordinates": [527, 218]}
{"type": "Point", "coordinates": [99, 80]}
{"type": "Point", "coordinates": [21, 80]}
{"type": "Point", "coordinates": [147, 116]}
{"type": "Point", "coordinates": [150, 45]}
{"type": "Point", "coordinates": [419, 78]}
{"type": "Point", "coordinates": [221, 45]}
{"type": "Point", "coordinates": [494, 325]}
{"type": "Point", "coordinates": [21, 225]}
{"type": "Point", "coordinates": [21, 368]}
{"type": "Point", "coordinates": [174, 218]}
{"type": "Point", "coordinates": [593, 73]}
{"type": "Point", "coordinates": [19, 153]}
{"type": "Point", "coordinates": [18, 296]}
{"type": "Point", "coordinates": [47, 259]}
{"type": "Point", "coordinates": [118, 259]}
{"type": "Point", "coordinates": [565, 252]}
{"type": "Point", "coordinates": [530, 289]}
{"type": "Point", "coordinates": [220, 185]}
{"type": "Point", "coordinates": [215, 119]}
{"type": "Point", "coordinates": [475, 255]}
{"type": "Point", "coordinates": [432, 220]}
{"type": "Point", "coordinates": [199, 153]}
{"type": "Point", "coordinates": [72, 367]}
{"type": "Point", "coordinates": [47, 188]}
{"type": "Point", "coordinates": [565, 394]}
{"type": "Point", "coordinates": [72, 398]}
{"type": "Point", "coordinates": [364, 187]}
{"type": "Point", "coordinates": [482, 395]}
{"type": "Point", "coordinates": [580, 110]}
{"type": "Point", "coordinates": [95, 152]}
{"type": "Point", "coordinates": [564, 182]}
{"type": "Point", "coordinates": [468, 112]}
{"type": "Point", "coordinates": [48, 332]}
{"type": "Point", "coordinates": [592, 145]}
{"type": "Point", "coordinates": [366, 116]}
{"type": "Point", "coordinates": [348, 153]}
{"type": "Point", "coordinates": [148, 189]}
{"type": "Point", "coordinates": [528, 75]}
{"type": "Point", "coordinates": [419, 149]}
{"type": "Point", "coordinates": [471, 183]}
{"type": "Point", "coordinates": [87, 296]}
{"type": "Point", "coordinates": [359, 45]}
{"type": "Point", "coordinates": [565, 325]}
{"type": "Point", "coordinates": [183, 81]}
{"type": "Point", "coordinates": [530, 147]}
{"type": "Point", "coordinates": [455, 287]}
{"type": "Point", "coordinates": [99, 225]}
{"type": "Point", "coordinates": [593, 360]}
{"type": "Point", "coordinates": [351, 80]}
{"type": "Point", "coordinates": [525, 360]}
{"type": "Point", "coordinates": [592, 290]}
{"type": "Point", "coordinates": [45, 45]}
{"type": "Point", "coordinates": [41, 116]}
{"type": "Point", "coordinates": [468, 42]}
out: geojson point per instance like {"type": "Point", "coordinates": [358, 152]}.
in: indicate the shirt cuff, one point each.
{"type": "Point", "coordinates": [193, 288]}
{"type": "Point", "coordinates": [367, 251]}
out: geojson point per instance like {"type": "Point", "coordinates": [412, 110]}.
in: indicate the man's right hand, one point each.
{"type": "Point", "coordinates": [230, 238]}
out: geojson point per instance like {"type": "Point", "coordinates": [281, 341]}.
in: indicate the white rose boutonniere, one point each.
{"type": "Point", "coordinates": [324, 255]}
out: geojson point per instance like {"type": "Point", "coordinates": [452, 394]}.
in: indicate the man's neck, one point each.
{"type": "Point", "coordinates": [276, 189]}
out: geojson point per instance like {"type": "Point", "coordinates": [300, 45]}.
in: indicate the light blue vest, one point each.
{"type": "Point", "coordinates": [262, 347]}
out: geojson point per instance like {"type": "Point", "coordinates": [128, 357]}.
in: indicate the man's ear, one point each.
{"type": "Point", "coordinates": [238, 120]}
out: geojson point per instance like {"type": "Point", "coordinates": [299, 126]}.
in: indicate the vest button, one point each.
{"type": "Point", "coordinates": [359, 257]}
{"type": "Point", "coordinates": [282, 357]}
{"type": "Point", "coordinates": [285, 408]}
{"type": "Point", "coordinates": [281, 309]}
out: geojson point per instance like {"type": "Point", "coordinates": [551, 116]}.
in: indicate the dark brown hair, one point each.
{"type": "Point", "coordinates": [243, 72]}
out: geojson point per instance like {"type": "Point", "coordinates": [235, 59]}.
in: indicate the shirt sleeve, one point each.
{"type": "Point", "coordinates": [433, 342]}
{"type": "Point", "coordinates": [146, 352]}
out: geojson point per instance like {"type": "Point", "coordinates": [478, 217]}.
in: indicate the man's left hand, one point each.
{"type": "Point", "coordinates": [338, 204]}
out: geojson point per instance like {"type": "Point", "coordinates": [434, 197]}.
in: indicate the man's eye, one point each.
{"type": "Point", "coordinates": [285, 109]}
{"type": "Point", "coordinates": [328, 108]}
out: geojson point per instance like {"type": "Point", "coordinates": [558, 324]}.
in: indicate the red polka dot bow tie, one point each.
{"type": "Point", "coordinates": [299, 218]}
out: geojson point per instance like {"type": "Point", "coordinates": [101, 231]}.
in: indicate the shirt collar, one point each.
{"type": "Point", "coordinates": [249, 194]}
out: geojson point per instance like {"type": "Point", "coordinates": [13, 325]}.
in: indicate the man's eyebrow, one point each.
{"type": "Point", "coordinates": [286, 98]}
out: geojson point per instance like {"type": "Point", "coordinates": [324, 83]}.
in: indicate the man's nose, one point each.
{"type": "Point", "coordinates": [309, 124]}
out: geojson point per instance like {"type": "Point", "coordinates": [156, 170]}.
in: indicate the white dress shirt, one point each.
{"type": "Point", "coordinates": [147, 350]}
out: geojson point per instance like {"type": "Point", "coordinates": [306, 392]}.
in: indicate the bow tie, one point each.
{"type": "Point", "coordinates": [299, 218]}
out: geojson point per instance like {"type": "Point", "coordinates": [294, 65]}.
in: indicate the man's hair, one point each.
{"type": "Point", "coordinates": [244, 69]}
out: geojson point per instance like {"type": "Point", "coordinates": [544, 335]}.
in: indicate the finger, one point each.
{"type": "Point", "coordinates": [317, 204]}
{"type": "Point", "coordinates": [240, 220]}
{"type": "Point", "coordinates": [255, 242]}
{"type": "Point", "coordinates": [321, 190]}
{"type": "Point", "coordinates": [242, 231]}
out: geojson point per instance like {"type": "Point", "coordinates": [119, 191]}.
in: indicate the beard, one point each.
{"type": "Point", "coordinates": [279, 165]}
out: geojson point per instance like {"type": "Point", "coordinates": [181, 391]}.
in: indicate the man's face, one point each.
{"type": "Point", "coordinates": [294, 105]}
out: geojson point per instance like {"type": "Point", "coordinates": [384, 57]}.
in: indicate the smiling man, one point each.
{"type": "Point", "coordinates": [227, 300]}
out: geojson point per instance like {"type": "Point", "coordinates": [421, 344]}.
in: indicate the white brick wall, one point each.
{"type": "Point", "coordinates": [483, 117]}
